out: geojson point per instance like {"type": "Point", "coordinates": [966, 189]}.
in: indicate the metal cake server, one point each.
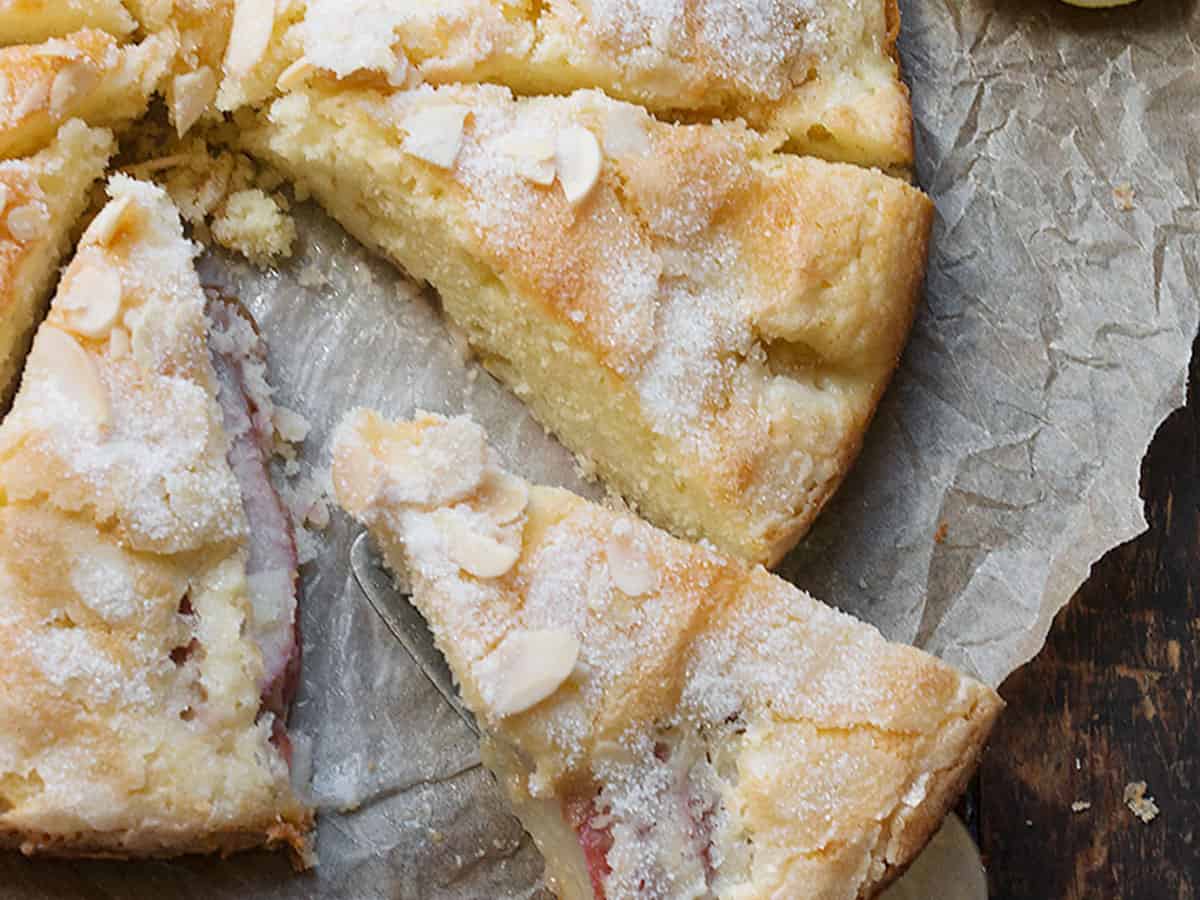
{"type": "Point", "coordinates": [391, 602]}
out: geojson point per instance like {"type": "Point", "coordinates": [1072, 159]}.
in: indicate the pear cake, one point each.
{"type": "Point", "coordinates": [148, 645]}
{"type": "Point", "coordinates": [672, 228]}
{"type": "Point", "coordinates": [708, 322]}
{"type": "Point", "coordinates": [41, 198]}
{"type": "Point", "coordinates": [668, 721]}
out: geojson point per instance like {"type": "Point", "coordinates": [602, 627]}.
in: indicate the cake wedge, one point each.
{"type": "Point", "coordinates": [41, 200]}
{"type": "Point", "coordinates": [825, 75]}
{"type": "Point", "coordinates": [148, 640]}
{"type": "Point", "coordinates": [88, 75]}
{"type": "Point", "coordinates": [667, 721]}
{"type": "Point", "coordinates": [707, 322]}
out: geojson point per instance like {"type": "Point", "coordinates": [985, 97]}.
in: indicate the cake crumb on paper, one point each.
{"type": "Point", "coordinates": [1123, 195]}
{"type": "Point", "coordinates": [1139, 802]}
{"type": "Point", "coordinates": [1080, 806]}
{"type": "Point", "coordinates": [254, 224]}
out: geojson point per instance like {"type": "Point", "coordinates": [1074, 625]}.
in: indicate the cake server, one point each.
{"type": "Point", "coordinates": [390, 600]}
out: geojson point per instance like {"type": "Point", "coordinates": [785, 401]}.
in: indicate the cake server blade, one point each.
{"type": "Point", "coordinates": [391, 603]}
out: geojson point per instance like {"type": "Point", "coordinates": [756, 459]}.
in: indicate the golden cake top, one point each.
{"type": "Point", "coordinates": [130, 671]}
{"type": "Point", "coordinates": [88, 74]}
{"type": "Point", "coordinates": [598, 649]}
{"type": "Point", "coordinates": [41, 197]}
{"type": "Point", "coordinates": [755, 302]}
{"type": "Point", "coordinates": [822, 73]}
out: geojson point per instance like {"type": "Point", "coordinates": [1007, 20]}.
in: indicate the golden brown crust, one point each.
{"type": "Point", "coordinates": [43, 197]}
{"type": "Point", "coordinates": [711, 326]}
{"type": "Point", "coordinates": [271, 834]}
{"type": "Point", "coordinates": [814, 758]}
{"type": "Point", "coordinates": [131, 682]}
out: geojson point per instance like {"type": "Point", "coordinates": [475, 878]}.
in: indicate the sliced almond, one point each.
{"type": "Point", "coordinates": [191, 95]}
{"type": "Point", "coordinates": [72, 81]}
{"type": "Point", "coordinates": [90, 303]}
{"type": "Point", "coordinates": [503, 496]}
{"type": "Point", "coordinates": [108, 223]}
{"type": "Point", "coordinates": [628, 566]}
{"type": "Point", "coordinates": [526, 668]}
{"type": "Point", "coordinates": [253, 22]}
{"type": "Point", "coordinates": [477, 554]}
{"type": "Point", "coordinates": [532, 154]}
{"type": "Point", "coordinates": [295, 75]}
{"type": "Point", "coordinates": [28, 221]}
{"type": "Point", "coordinates": [56, 48]}
{"type": "Point", "coordinates": [70, 365]}
{"type": "Point", "coordinates": [36, 96]}
{"type": "Point", "coordinates": [578, 160]}
{"type": "Point", "coordinates": [397, 76]}
{"type": "Point", "coordinates": [435, 133]}
{"type": "Point", "coordinates": [3, 197]}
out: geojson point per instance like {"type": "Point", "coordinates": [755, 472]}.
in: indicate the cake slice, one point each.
{"type": "Point", "coordinates": [41, 199]}
{"type": "Point", "coordinates": [708, 322]}
{"type": "Point", "coordinates": [89, 74]}
{"type": "Point", "coordinates": [148, 644]}
{"type": "Point", "coordinates": [667, 721]}
{"type": "Point", "coordinates": [823, 74]}
{"type": "Point", "coordinates": [33, 21]}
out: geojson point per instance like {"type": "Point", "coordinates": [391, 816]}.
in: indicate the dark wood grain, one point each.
{"type": "Point", "coordinates": [1110, 700]}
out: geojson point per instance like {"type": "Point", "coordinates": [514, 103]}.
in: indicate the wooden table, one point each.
{"type": "Point", "coordinates": [1107, 702]}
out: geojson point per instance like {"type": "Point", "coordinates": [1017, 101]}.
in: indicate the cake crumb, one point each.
{"type": "Point", "coordinates": [252, 223]}
{"type": "Point", "coordinates": [1123, 195]}
{"type": "Point", "coordinates": [290, 426]}
{"type": "Point", "coordinates": [1139, 802]}
{"type": "Point", "coordinates": [311, 276]}
{"type": "Point", "coordinates": [1080, 806]}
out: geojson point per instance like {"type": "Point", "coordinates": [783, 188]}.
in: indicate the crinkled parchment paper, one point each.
{"type": "Point", "coordinates": [1003, 462]}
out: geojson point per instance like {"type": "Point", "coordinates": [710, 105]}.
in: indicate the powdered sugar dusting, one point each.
{"type": "Point", "coordinates": [645, 274]}
{"type": "Point", "coordinates": [747, 45]}
{"type": "Point", "coordinates": [345, 36]}
{"type": "Point", "coordinates": [716, 675]}
{"type": "Point", "coordinates": [158, 463]}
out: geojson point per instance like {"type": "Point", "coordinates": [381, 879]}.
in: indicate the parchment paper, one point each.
{"type": "Point", "coordinates": [1003, 461]}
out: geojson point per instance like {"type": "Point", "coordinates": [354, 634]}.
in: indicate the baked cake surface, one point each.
{"type": "Point", "coordinates": [147, 636]}
{"type": "Point", "coordinates": [822, 73]}
{"type": "Point", "coordinates": [41, 198]}
{"type": "Point", "coordinates": [89, 74]}
{"type": "Point", "coordinates": [667, 721]}
{"type": "Point", "coordinates": [33, 21]}
{"type": "Point", "coordinates": [707, 321]}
